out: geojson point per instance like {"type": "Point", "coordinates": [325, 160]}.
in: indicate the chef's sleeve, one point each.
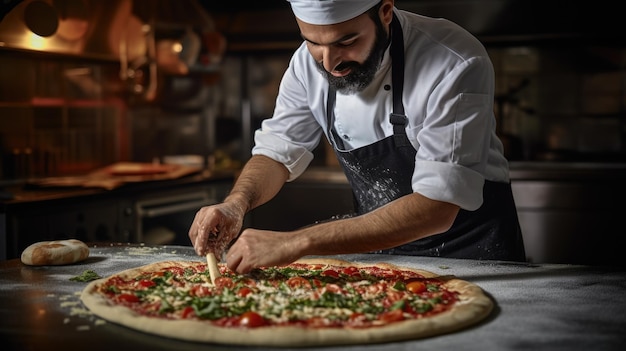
{"type": "Point", "coordinates": [455, 139]}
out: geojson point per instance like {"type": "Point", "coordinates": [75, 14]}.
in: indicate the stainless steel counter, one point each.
{"type": "Point", "coordinates": [538, 307]}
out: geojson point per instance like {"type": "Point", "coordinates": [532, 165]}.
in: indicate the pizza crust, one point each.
{"type": "Point", "coordinates": [59, 252]}
{"type": "Point", "coordinates": [473, 307]}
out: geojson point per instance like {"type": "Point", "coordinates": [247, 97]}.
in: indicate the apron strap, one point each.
{"type": "Point", "coordinates": [335, 140]}
{"type": "Point", "coordinates": [397, 117]}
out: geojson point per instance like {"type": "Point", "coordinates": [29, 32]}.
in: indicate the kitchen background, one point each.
{"type": "Point", "coordinates": [85, 84]}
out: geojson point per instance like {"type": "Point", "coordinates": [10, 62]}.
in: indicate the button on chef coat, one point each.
{"type": "Point", "coordinates": [448, 99]}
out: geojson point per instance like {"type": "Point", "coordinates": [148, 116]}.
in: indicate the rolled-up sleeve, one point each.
{"type": "Point", "coordinates": [295, 157]}
{"type": "Point", "coordinates": [454, 140]}
{"type": "Point", "coordinates": [450, 183]}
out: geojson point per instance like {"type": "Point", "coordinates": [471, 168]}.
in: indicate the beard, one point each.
{"type": "Point", "coordinates": [362, 73]}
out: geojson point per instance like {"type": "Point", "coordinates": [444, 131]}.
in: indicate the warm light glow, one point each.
{"type": "Point", "coordinates": [177, 47]}
{"type": "Point", "coordinates": [36, 42]}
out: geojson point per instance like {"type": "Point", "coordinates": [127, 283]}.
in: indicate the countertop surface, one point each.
{"type": "Point", "coordinates": [57, 189]}
{"type": "Point", "coordinates": [538, 306]}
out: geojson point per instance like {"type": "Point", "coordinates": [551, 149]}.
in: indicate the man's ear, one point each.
{"type": "Point", "coordinates": [386, 11]}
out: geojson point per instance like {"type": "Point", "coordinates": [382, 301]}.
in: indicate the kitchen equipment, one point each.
{"type": "Point", "coordinates": [41, 18]}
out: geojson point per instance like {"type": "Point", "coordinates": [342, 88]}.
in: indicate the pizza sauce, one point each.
{"type": "Point", "coordinates": [299, 294]}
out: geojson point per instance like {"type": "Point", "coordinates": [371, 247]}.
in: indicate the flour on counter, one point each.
{"type": "Point", "coordinates": [76, 309]}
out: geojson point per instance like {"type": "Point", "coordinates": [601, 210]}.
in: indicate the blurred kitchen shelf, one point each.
{"type": "Point", "coordinates": [61, 102]}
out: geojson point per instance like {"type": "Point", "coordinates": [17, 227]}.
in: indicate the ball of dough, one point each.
{"type": "Point", "coordinates": [54, 253]}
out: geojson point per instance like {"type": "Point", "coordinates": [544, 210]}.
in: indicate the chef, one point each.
{"type": "Point", "coordinates": [406, 101]}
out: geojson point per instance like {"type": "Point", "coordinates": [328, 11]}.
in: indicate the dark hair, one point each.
{"type": "Point", "coordinates": [373, 12]}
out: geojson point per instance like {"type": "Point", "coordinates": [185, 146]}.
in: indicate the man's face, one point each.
{"type": "Point", "coordinates": [349, 53]}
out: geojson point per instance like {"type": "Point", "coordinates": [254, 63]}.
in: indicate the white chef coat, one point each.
{"type": "Point", "coordinates": [448, 99]}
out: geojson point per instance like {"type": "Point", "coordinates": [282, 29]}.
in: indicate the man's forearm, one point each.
{"type": "Point", "coordinates": [399, 222]}
{"type": "Point", "coordinates": [259, 181]}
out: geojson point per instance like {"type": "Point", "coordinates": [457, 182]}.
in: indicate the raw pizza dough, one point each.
{"type": "Point", "coordinates": [472, 307]}
{"type": "Point", "coordinates": [59, 252]}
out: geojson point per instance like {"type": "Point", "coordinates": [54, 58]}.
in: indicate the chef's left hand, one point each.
{"type": "Point", "coordinates": [214, 227]}
{"type": "Point", "coordinates": [261, 248]}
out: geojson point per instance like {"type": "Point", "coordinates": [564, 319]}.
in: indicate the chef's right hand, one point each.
{"type": "Point", "coordinates": [214, 227]}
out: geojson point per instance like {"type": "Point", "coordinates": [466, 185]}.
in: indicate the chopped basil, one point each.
{"type": "Point", "coordinates": [400, 286]}
{"type": "Point", "coordinates": [112, 289]}
{"type": "Point", "coordinates": [165, 307]}
{"type": "Point", "coordinates": [435, 300]}
{"type": "Point", "coordinates": [86, 276]}
{"type": "Point", "coordinates": [432, 287]}
{"type": "Point", "coordinates": [159, 280]}
{"type": "Point", "coordinates": [421, 306]}
{"type": "Point", "coordinates": [206, 308]}
{"type": "Point", "coordinates": [398, 305]}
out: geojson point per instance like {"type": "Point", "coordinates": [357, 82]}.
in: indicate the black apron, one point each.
{"type": "Point", "coordinates": [381, 172]}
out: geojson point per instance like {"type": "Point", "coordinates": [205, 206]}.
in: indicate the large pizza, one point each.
{"type": "Point", "coordinates": [309, 302]}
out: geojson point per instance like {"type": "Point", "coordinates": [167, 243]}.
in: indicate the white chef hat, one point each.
{"type": "Point", "coordinates": [322, 12]}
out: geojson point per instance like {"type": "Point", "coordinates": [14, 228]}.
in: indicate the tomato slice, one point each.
{"type": "Point", "coordinates": [391, 316]}
{"type": "Point", "coordinates": [252, 319]}
{"type": "Point", "coordinates": [244, 291]}
{"type": "Point", "coordinates": [298, 282]}
{"type": "Point", "coordinates": [317, 283]}
{"type": "Point", "coordinates": [146, 283]}
{"type": "Point", "coordinates": [187, 312]}
{"type": "Point", "coordinates": [351, 271]}
{"type": "Point", "coordinates": [330, 273]}
{"type": "Point", "coordinates": [334, 288]}
{"type": "Point", "coordinates": [128, 298]}
{"type": "Point", "coordinates": [416, 287]}
{"type": "Point", "coordinates": [224, 282]}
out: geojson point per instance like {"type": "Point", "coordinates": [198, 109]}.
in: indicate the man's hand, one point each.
{"type": "Point", "coordinates": [214, 227]}
{"type": "Point", "coordinates": [261, 248]}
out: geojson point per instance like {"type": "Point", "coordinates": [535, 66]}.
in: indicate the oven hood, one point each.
{"type": "Point", "coordinates": [146, 37]}
{"type": "Point", "coordinates": [109, 30]}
